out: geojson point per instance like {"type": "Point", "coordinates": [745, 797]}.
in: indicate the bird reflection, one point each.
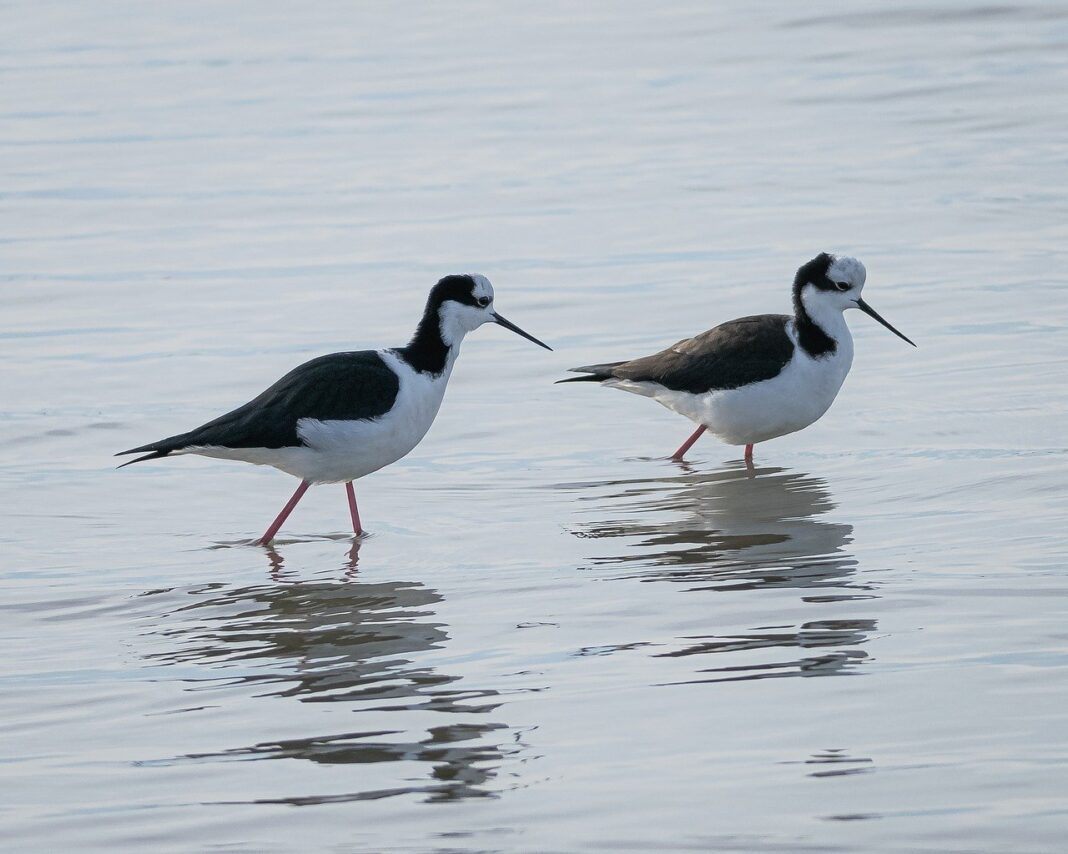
{"type": "Point", "coordinates": [280, 575]}
{"type": "Point", "coordinates": [735, 529]}
{"type": "Point", "coordinates": [354, 643]}
{"type": "Point", "coordinates": [726, 529]}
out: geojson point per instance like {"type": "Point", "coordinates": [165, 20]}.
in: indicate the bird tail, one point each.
{"type": "Point", "coordinates": [592, 373]}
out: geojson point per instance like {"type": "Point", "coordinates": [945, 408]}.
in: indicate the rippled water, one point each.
{"type": "Point", "coordinates": [555, 639]}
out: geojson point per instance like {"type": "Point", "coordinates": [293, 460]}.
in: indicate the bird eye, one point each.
{"type": "Point", "coordinates": [842, 286]}
{"type": "Point", "coordinates": [483, 301]}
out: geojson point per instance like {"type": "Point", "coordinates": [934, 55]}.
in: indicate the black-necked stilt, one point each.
{"type": "Point", "coordinates": [760, 377]}
{"type": "Point", "coordinates": [339, 417]}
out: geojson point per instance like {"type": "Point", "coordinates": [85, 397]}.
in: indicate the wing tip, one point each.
{"type": "Point", "coordinates": [153, 454]}
{"type": "Point", "coordinates": [592, 373]}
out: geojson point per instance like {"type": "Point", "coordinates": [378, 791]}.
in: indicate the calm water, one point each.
{"type": "Point", "coordinates": [555, 640]}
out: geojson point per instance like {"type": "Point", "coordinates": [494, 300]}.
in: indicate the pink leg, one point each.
{"type": "Point", "coordinates": [677, 456]}
{"type": "Point", "coordinates": [353, 512]}
{"type": "Point", "coordinates": [749, 453]}
{"type": "Point", "coordinates": [281, 518]}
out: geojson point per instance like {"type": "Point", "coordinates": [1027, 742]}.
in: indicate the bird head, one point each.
{"type": "Point", "coordinates": [828, 284]}
{"type": "Point", "coordinates": [465, 302]}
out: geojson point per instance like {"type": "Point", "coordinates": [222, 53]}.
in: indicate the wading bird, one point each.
{"type": "Point", "coordinates": [339, 417]}
{"type": "Point", "coordinates": [759, 377]}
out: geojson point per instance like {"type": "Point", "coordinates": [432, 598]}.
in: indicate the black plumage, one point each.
{"type": "Point", "coordinates": [427, 352]}
{"type": "Point", "coordinates": [814, 340]}
{"type": "Point", "coordinates": [341, 386]}
{"type": "Point", "coordinates": [731, 355]}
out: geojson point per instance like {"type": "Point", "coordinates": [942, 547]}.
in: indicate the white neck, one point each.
{"type": "Point", "coordinates": [829, 318]}
{"type": "Point", "coordinates": [454, 323]}
{"type": "Point", "coordinates": [452, 335]}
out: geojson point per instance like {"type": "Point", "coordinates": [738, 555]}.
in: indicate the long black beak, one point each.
{"type": "Point", "coordinates": [867, 309]}
{"type": "Point", "coordinates": [507, 324]}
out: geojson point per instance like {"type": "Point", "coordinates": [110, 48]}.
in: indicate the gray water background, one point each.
{"type": "Point", "coordinates": [555, 639]}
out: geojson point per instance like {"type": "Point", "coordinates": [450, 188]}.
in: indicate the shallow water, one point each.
{"type": "Point", "coordinates": [555, 639]}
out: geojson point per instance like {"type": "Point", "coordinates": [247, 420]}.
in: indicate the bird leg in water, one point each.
{"type": "Point", "coordinates": [677, 456]}
{"type": "Point", "coordinates": [749, 453]}
{"type": "Point", "coordinates": [353, 512]}
{"type": "Point", "coordinates": [281, 518]}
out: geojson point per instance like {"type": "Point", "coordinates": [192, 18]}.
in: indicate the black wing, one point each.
{"type": "Point", "coordinates": [731, 355]}
{"type": "Point", "coordinates": [341, 386]}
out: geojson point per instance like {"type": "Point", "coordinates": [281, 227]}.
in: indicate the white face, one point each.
{"type": "Point", "coordinates": [457, 319]}
{"type": "Point", "coordinates": [827, 300]}
{"type": "Point", "coordinates": [847, 276]}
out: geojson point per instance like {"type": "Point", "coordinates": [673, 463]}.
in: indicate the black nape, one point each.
{"type": "Point", "coordinates": [427, 352]}
{"type": "Point", "coordinates": [812, 339]}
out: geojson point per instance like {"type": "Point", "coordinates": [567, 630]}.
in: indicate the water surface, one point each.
{"type": "Point", "coordinates": [555, 639]}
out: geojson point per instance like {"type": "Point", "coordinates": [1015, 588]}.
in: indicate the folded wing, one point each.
{"type": "Point", "coordinates": [728, 356]}
{"type": "Point", "coordinates": [342, 386]}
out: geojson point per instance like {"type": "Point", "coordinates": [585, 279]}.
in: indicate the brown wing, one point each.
{"type": "Point", "coordinates": [731, 355]}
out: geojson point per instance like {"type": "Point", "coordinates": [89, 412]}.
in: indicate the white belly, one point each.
{"type": "Point", "coordinates": [798, 396]}
{"type": "Point", "coordinates": [338, 451]}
